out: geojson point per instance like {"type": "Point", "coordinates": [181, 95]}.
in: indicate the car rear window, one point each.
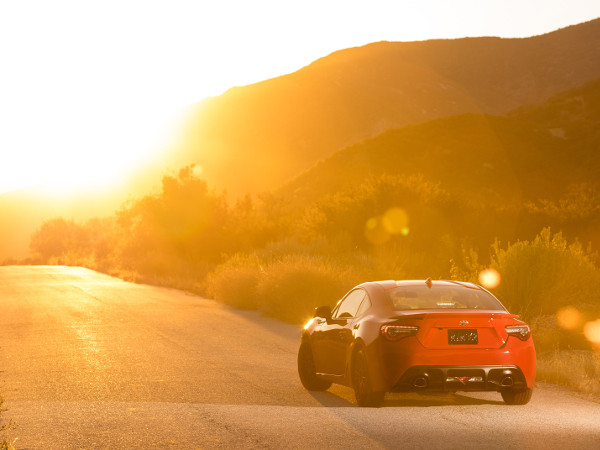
{"type": "Point", "coordinates": [405, 298]}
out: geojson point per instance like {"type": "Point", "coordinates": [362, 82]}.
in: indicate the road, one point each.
{"type": "Point", "coordinates": [89, 361]}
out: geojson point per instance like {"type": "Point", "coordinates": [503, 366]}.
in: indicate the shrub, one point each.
{"type": "Point", "coordinates": [186, 219]}
{"type": "Point", "coordinates": [56, 237]}
{"type": "Point", "coordinates": [235, 282]}
{"type": "Point", "coordinates": [545, 274]}
{"type": "Point", "coordinates": [292, 287]}
{"type": "Point", "coordinates": [468, 266]}
{"type": "Point", "coordinates": [287, 287]}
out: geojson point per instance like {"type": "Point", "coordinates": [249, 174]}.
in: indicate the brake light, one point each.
{"type": "Point", "coordinates": [396, 332]}
{"type": "Point", "coordinates": [520, 331]}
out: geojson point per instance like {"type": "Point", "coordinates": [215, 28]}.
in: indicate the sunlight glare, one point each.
{"type": "Point", "coordinates": [76, 156]}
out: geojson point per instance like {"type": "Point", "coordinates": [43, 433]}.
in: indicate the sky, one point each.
{"type": "Point", "coordinates": [91, 89]}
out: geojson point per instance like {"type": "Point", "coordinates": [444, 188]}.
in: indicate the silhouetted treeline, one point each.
{"type": "Point", "coordinates": [185, 223]}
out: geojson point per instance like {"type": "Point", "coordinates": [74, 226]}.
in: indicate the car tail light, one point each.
{"type": "Point", "coordinates": [396, 332]}
{"type": "Point", "coordinates": [520, 331]}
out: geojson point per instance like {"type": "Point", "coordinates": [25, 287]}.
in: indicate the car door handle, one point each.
{"type": "Point", "coordinates": [356, 326]}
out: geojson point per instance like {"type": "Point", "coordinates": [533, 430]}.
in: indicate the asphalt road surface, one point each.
{"type": "Point", "coordinates": [89, 361]}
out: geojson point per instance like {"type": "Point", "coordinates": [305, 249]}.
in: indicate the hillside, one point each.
{"type": "Point", "coordinates": [514, 155]}
{"type": "Point", "coordinates": [257, 137]}
{"type": "Point", "coordinates": [534, 167]}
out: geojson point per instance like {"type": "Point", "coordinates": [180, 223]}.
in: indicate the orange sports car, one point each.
{"type": "Point", "coordinates": [404, 336]}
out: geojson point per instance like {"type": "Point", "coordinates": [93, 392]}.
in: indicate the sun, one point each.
{"type": "Point", "coordinates": [95, 150]}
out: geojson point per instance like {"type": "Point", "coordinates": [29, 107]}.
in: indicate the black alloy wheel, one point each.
{"type": "Point", "coordinates": [362, 383]}
{"type": "Point", "coordinates": [307, 372]}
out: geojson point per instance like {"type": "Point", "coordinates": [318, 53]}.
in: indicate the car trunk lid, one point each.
{"type": "Point", "coordinates": [460, 329]}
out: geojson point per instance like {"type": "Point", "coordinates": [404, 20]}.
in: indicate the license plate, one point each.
{"type": "Point", "coordinates": [462, 337]}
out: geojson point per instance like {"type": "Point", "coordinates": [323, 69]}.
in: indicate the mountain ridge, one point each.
{"type": "Point", "coordinates": [257, 137]}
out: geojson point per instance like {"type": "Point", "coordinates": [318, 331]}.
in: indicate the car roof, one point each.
{"type": "Point", "coordinates": [391, 284]}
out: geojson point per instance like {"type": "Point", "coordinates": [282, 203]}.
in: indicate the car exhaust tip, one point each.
{"type": "Point", "coordinates": [420, 382]}
{"type": "Point", "coordinates": [507, 382]}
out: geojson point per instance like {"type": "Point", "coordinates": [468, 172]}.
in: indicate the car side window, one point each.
{"type": "Point", "coordinates": [364, 306]}
{"type": "Point", "coordinates": [348, 307]}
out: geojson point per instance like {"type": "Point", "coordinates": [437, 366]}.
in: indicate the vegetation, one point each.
{"type": "Point", "coordinates": [576, 369]}
{"type": "Point", "coordinates": [287, 287]}
{"type": "Point", "coordinates": [541, 276]}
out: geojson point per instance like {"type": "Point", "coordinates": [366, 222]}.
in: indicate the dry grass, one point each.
{"type": "Point", "coordinates": [287, 288]}
{"type": "Point", "coordinates": [235, 282]}
{"type": "Point", "coordinates": [565, 357]}
{"type": "Point", "coordinates": [576, 369]}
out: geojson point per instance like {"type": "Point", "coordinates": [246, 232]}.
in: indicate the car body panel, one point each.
{"type": "Point", "coordinates": [330, 343]}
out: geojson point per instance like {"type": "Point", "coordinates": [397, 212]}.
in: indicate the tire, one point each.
{"type": "Point", "coordinates": [362, 383]}
{"type": "Point", "coordinates": [517, 397]}
{"type": "Point", "coordinates": [307, 372]}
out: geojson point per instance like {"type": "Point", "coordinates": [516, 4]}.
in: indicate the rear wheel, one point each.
{"type": "Point", "coordinates": [362, 383]}
{"type": "Point", "coordinates": [517, 397]}
{"type": "Point", "coordinates": [306, 370]}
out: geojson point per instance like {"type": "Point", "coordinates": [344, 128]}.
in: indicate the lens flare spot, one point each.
{"type": "Point", "coordinates": [379, 229]}
{"type": "Point", "coordinates": [489, 278]}
{"type": "Point", "coordinates": [372, 223]}
{"type": "Point", "coordinates": [395, 220]}
{"type": "Point", "coordinates": [591, 331]}
{"type": "Point", "coordinates": [569, 318]}
{"type": "Point", "coordinates": [375, 231]}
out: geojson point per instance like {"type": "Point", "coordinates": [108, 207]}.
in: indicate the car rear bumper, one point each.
{"type": "Point", "coordinates": [461, 378]}
{"type": "Point", "coordinates": [396, 363]}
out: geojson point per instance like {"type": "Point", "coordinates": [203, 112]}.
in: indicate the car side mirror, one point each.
{"type": "Point", "coordinates": [323, 312]}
